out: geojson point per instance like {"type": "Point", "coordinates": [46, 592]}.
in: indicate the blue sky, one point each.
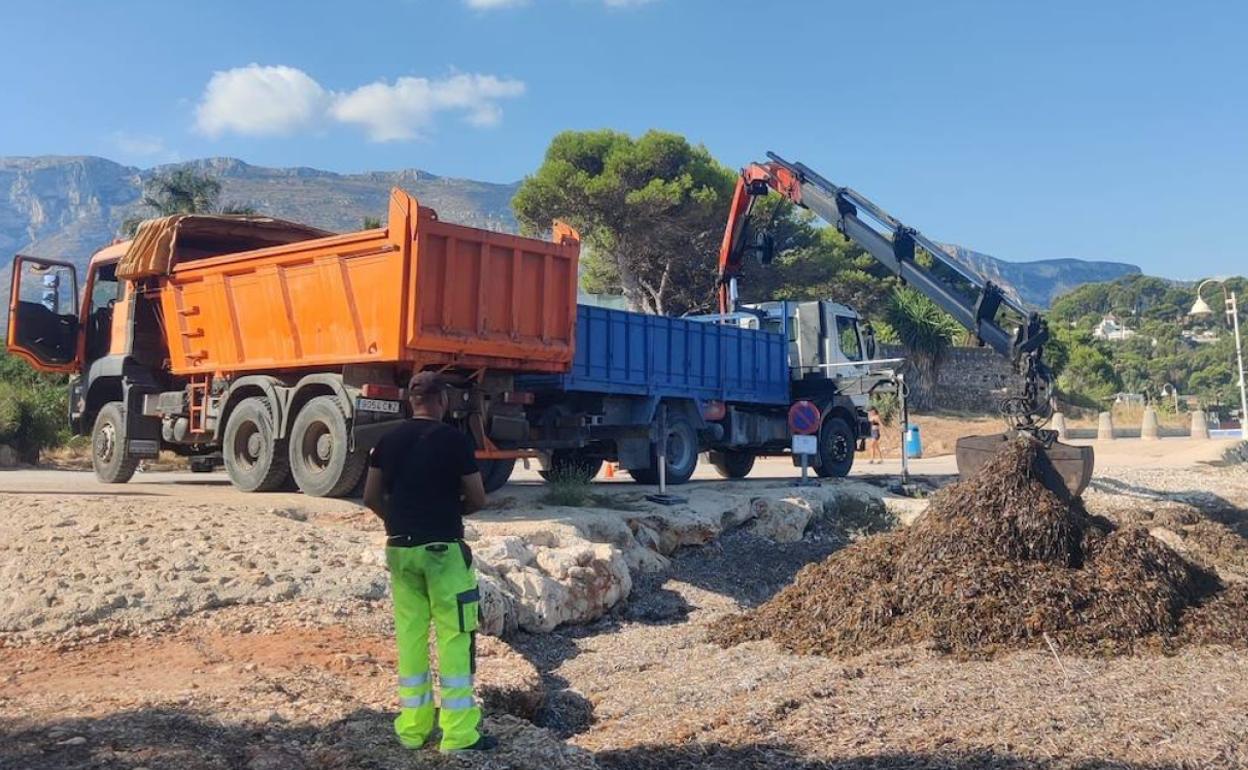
{"type": "Point", "coordinates": [1027, 130]}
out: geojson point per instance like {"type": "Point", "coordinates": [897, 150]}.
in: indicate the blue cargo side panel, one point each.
{"type": "Point", "coordinates": [623, 353]}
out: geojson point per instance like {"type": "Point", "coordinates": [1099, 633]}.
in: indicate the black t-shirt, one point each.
{"type": "Point", "coordinates": [422, 463]}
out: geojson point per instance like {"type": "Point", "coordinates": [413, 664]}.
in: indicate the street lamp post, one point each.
{"type": "Point", "coordinates": [1231, 302]}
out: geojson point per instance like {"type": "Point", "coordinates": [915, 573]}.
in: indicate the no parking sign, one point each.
{"type": "Point", "coordinates": [804, 418]}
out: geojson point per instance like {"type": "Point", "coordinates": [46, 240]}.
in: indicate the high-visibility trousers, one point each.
{"type": "Point", "coordinates": [435, 583]}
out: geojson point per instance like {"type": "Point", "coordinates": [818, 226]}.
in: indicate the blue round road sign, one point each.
{"type": "Point", "coordinates": [804, 418]}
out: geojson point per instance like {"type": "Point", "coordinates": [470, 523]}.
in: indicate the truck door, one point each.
{"type": "Point", "coordinates": [43, 314]}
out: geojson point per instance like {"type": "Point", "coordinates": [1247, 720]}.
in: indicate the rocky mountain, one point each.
{"type": "Point", "coordinates": [70, 206]}
{"type": "Point", "coordinates": [1039, 283]}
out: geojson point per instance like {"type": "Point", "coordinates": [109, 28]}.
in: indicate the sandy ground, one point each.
{"type": "Point", "coordinates": [304, 680]}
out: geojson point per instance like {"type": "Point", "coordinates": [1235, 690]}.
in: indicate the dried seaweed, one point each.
{"type": "Point", "coordinates": [1001, 561]}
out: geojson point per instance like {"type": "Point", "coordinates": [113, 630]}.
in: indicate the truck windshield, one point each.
{"type": "Point", "coordinates": [847, 331]}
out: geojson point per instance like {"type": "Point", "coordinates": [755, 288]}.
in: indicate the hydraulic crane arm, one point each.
{"type": "Point", "coordinates": [893, 245]}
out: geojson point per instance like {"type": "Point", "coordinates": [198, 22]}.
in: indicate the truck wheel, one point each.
{"type": "Point", "coordinates": [495, 473]}
{"type": "Point", "coordinates": [733, 463]}
{"type": "Point", "coordinates": [320, 456]}
{"type": "Point", "coordinates": [108, 446]}
{"type": "Point", "coordinates": [571, 463]}
{"type": "Point", "coordinates": [254, 457]}
{"type": "Point", "coordinates": [682, 455]}
{"type": "Point", "coordinates": [836, 449]}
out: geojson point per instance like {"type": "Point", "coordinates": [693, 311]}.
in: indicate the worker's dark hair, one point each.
{"type": "Point", "coordinates": [426, 387]}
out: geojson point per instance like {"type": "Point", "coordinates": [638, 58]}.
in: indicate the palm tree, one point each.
{"type": "Point", "coordinates": [182, 191]}
{"type": "Point", "coordinates": [926, 332]}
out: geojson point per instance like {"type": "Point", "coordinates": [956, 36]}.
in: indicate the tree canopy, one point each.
{"type": "Point", "coordinates": [182, 191]}
{"type": "Point", "coordinates": [651, 211]}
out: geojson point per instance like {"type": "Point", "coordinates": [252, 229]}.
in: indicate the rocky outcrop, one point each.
{"type": "Point", "coordinates": [70, 206]}
{"type": "Point", "coordinates": [572, 565]}
{"type": "Point", "coordinates": [1040, 282]}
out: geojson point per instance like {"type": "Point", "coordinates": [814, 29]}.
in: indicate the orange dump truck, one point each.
{"type": "Point", "coordinates": [280, 350]}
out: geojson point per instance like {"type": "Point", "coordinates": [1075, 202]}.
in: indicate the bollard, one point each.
{"type": "Point", "coordinates": [1058, 423]}
{"type": "Point", "coordinates": [1105, 428]}
{"type": "Point", "coordinates": [1148, 428]}
{"type": "Point", "coordinates": [1200, 424]}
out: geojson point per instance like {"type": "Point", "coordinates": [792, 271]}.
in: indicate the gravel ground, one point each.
{"type": "Point", "coordinates": [66, 563]}
{"type": "Point", "coordinates": [180, 671]}
{"type": "Point", "coordinates": [662, 697]}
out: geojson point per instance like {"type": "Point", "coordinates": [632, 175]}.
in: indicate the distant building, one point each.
{"type": "Point", "coordinates": [1110, 328]}
{"type": "Point", "coordinates": [1203, 337]}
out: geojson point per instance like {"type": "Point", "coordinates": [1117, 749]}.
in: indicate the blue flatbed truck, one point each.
{"type": "Point", "coordinates": [720, 385]}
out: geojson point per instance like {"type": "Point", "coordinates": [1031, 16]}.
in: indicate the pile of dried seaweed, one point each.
{"type": "Point", "coordinates": [1001, 561]}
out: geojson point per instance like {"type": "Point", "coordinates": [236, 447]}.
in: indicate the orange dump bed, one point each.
{"type": "Point", "coordinates": [418, 290]}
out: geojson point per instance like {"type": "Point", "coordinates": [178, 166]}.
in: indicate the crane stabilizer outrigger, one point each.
{"type": "Point", "coordinates": [893, 245]}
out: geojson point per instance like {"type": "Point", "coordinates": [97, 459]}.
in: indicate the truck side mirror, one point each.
{"type": "Point", "coordinates": [868, 340]}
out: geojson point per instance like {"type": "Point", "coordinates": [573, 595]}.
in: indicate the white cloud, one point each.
{"type": "Point", "coordinates": [260, 101]}
{"type": "Point", "coordinates": [405, 109]}
{"type": "Point", "coordinates": [277, 100]}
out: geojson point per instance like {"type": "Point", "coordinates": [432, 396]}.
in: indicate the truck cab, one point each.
{"type": "Point", "coordinates": [827, 340]}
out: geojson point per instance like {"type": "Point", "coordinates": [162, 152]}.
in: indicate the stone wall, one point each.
{"type": "Point", "coordinates": [970, 380]}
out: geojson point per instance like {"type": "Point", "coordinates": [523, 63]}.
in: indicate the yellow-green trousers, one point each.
{"type": "Point", "coordinates": [435, 583]}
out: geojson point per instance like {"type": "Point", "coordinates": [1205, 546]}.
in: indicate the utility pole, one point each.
{"type": "Point", "coordinates": [1231, 304]}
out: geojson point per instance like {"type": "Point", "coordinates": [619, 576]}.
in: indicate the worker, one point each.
{"type": "Point", "coordinates": [877, 425]}
{"type": "Point", "coordinates": [422, 480]}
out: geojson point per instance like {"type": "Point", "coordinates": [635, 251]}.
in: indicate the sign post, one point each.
{"type": "Point", "coordinates": [804, 422]}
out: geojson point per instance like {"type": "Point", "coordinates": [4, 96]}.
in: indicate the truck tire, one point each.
{"type": "Point", "coordinates": [836, 449]}
{"type": "Point", "coordinates": [255, 459]}
{"type": "Point", "coordinates": [682, 455]}
{"type": "Point", "coordinates": [108, 446]}
{"type": "Point", "coordinates": [495, 473]}
{"type": "Point", "coordinates": [733, 463]}
{"type": "Point", "coordinates": [571, 463]}
{"type": "Point", "coordinates": [320, 456]}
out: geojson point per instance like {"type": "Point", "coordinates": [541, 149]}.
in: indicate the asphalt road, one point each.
{"type": "Point", "coordinates": [1130, 453]}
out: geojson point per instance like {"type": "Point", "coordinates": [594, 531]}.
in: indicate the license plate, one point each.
{"type": "Point", "coordinates": [377, 405]}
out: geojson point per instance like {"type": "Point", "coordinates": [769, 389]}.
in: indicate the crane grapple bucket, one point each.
{"type": "Point", "coordinates": [1072, 465]}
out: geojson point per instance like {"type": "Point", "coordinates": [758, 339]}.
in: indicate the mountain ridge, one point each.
{"type": "Point", "coordinates": [69, 206]}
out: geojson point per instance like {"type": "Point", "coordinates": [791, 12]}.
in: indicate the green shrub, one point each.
{"type": "Point", "coordinates": [567, 489]}
{"type": "Point", "coordinates": [33, 409]}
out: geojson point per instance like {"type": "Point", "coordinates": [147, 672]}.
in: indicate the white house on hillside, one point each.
{"type": "Point", "coordinates": [1110, 328]}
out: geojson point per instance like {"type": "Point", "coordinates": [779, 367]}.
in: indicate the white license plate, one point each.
{"type": "Point", "coordinates": [377, 405]}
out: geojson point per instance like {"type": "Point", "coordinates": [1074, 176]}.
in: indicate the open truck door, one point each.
{"type": "Point", "coordinates": [43, 314]}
